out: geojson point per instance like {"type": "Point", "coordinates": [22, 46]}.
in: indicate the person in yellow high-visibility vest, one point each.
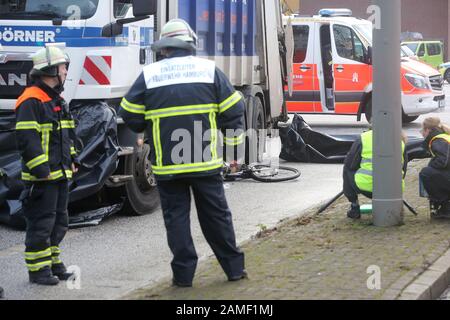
{"type": "Point", "coordinates": [436, 176]}
{"type": "Point", "coordinates": [358, 171]}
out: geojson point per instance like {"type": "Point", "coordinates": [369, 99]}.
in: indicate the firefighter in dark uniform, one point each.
{"type": "Point", "coordinates": [185, 96]}
{"type": "Point", "coordinates": [45, 136]}
{"type": "Point", "coordinates": [436, 176]}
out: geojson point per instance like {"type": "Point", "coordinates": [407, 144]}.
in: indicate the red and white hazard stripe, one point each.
{"type": "Point", "coordinates": [96, 70]}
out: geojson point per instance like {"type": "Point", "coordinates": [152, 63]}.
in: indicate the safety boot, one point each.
{"type": "Point", "coordinates": [354, 212]}
{"type": "Point", "coordinates": [441, 211]}
{"type": "Point", "coordinates": [176, 283]}
{"type": "Point", "coordinates": [244, 275]}
{"type": "Point", "coordinates": [43, 277]}
{"type": "Point", "coordinates": [59, 270]}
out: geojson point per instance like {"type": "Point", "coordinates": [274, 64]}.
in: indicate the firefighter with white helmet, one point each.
{"type": "Point", "coordinates": [45, 136]}
{"type": "Point", "coordinates": [183, 93]}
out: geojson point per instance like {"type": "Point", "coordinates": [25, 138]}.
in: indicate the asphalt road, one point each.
{"type": "Point", "coordinates": [124, 253]}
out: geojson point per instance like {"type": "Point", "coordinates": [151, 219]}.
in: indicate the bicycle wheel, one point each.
{"type": "Point", "coordinates": [264, 173]}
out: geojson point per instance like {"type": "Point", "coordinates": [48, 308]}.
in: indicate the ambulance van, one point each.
{"type": "Point", "coordinates": [332, 70]}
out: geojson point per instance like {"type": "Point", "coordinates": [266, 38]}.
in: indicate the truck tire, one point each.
{"type": "Point", "coordinates": [257, 122]}
{"type": "Point", "coordinates": [368, 111]}
{"type": "Point", "coordinates": [141, 193]}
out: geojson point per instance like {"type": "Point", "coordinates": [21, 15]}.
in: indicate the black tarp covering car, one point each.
{"type": "Point", "coordinates": [96, 129]}
{"type": "Point", "coordinates": [300, 143]}
{"type": "Point", "coordinates": [98, 142]}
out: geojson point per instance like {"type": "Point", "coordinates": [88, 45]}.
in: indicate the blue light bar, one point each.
{"type": "Point", "coordinates": [335, 13]}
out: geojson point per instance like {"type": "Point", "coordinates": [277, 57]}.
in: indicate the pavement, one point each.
{"type": "Point", "coordinates": [125, 253]}
{"type": "Point", "coordinates": [326, 256]}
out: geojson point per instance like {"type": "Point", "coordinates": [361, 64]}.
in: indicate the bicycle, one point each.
{"type": "Point", "coordinates": [261, 173]}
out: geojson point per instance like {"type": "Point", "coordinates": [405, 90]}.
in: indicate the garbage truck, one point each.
{"type": "Point", "coordinates": [108, 43]}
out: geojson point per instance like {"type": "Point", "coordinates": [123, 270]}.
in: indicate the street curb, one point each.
{"type": "Point", "coordinates": [432, 283]}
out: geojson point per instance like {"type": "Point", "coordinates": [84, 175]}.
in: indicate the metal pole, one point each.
{"type": "Point", "coordinates": [387, 120]}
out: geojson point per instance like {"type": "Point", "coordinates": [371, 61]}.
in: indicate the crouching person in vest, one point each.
{"type": "Point", "coordinates": [184, 100]}
{"type": "Point", "coordinates": [45, 135]}
{"type": "Point", "coordinates": [436, 176]}
{"type": "Point", "coordinates": [358, 171]}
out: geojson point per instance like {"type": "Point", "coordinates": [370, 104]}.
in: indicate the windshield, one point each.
{"type": "Point", "coordinates": [365, 30]}
{"type": "Point", "coordinates": [403, 53]}
{"type": "Point", "coordinates": [47, 9]}
{"type": "Point", "coordinates": [412, 46]}
{"type": "Point", "coordinates": [407, 51]}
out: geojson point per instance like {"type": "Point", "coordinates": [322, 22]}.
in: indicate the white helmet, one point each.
{"type": "Point", "coordinates": [47, 60]}
{"type": "Point", "coordinates": [176, 33]}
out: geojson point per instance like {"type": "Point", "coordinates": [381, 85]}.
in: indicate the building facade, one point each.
{"type": "Point", "coordinates": [430, 17]}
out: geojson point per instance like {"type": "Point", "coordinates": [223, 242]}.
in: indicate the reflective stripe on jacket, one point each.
{"type": "Point", "coordinates": [182, 102]}
{"type": "Point", "coordinates": [443, 136]}
{"type": "Point", "coordinates": [45, 134]}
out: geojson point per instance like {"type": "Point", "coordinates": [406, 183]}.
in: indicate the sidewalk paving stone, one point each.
{"type": "Point", "coordinates": [326, 256]}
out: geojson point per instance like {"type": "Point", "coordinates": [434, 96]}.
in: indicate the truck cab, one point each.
{"type": "Point", "coordinates": [97, 61]}
{"type": "Point", "coordinates": [333, 69]}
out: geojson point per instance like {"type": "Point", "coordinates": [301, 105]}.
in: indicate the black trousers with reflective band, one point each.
{"type": "Point", "coordinates": [215, 221]}
{"type": "Point", "coordinates": [437, 184]}
{"type": "Point", "coordinates": [45, 210]}
{"type": "Point", "coordinates": [351, 190]}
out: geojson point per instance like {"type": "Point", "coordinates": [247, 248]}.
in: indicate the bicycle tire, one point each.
{"type": "Point", "coordinates": [292, 174]}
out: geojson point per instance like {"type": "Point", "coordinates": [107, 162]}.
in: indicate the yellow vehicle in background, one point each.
{"type": "Point", "coordinates": [430, 52]}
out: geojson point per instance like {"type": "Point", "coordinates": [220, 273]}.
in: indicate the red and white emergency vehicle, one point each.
{"type": "Point", "coordinates": [333, 69]}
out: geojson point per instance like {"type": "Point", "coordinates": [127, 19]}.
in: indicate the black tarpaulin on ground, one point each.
{"type": "Point", "coordinates": [97, 139]}
{"type": "Point", "coordinates": [10, 168]}
{"type": "Point", "coordinates": [96, 129]}
{"type": "Point", "coordinates": [300, 143]}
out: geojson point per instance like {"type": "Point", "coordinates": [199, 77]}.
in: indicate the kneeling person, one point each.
{"type": "Point", "coordinates": [358, 171]}
{"type": "Point", "coordinates": [436, 176]}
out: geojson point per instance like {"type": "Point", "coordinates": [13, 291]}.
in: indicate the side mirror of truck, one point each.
{"type": "Point", "coordinates": [112, 29]}
{"type": "Point", "coordinates": [145, 7]}
{"type": "Point", "coordinates": [116, 28]}
{"type": "Point", "coordinates": [369, 55]}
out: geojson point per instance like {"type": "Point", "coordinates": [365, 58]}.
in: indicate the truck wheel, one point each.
{"type": "Point", "coordinates": [368, 111]}
{"type": "Point", "coordinates": [257, 122]}
{"type": "Point", "coordinates": [141, 193]}
{"type": "Point", "coordinates": [447, 75]}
